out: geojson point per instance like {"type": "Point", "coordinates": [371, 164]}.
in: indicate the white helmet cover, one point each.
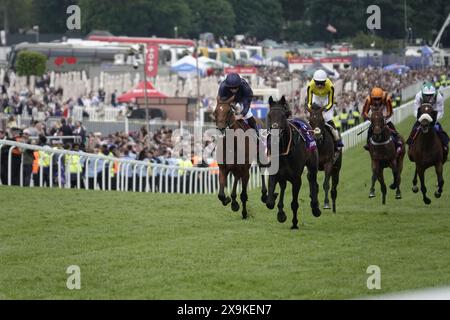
{"type": "Point", "coordinates": [320, 75]}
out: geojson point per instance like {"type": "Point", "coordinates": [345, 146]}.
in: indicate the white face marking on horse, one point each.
{"type": "Point", "coordinates": [221, 108]}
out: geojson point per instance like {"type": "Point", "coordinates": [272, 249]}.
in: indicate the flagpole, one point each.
{"type": "Point", "coordinates": [145, 93]}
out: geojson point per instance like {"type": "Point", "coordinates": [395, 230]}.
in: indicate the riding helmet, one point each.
{"type": "Point", "coordinates": [233, 80]}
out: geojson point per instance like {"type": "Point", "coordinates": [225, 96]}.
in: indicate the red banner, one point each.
{"type": "Point", "coordinates": [322, 60]}
{"type": "Point", "coordinates": [301, 60]}
{"type": "Point", "coordinates": [152, 61]}
{"type": "Point", "coordinates": [337, 60]}
{"type": "Point", "coordinates": [240, 70]}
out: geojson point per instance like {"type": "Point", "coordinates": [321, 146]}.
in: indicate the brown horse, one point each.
{"type": "Point", "coordinates": [328, 161]}
{"type": "Point", "coordinates": [426, 151]}
{"type": "Point", "coordinates": [384, 154]}
{"type": "Point", "coordinates": [225, 119]}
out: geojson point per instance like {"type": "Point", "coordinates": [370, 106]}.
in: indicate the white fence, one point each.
{"type": "Point", "coordinates": [100, 172]}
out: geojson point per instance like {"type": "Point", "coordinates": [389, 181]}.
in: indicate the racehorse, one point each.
{"type": "Point", "coordinates": [225, 119]}
{"type": "Point", "coordinates": [329, 161]}
{"type": "Point", "coordinates": [384, 154]}
{"type": "Point", "coordinates": [293, 157]}
{"type": "Point", "coordinates": [427, 151]}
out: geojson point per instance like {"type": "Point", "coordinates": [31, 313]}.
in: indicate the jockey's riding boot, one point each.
{"type": "Point", "coordinates": [397, 141]}
{"type": "Point", "coordinates": [252, 123]}
{"type": "Point", "coordinates": [412, 134]}
{"type": "Point", "coordinates": [337, 138]}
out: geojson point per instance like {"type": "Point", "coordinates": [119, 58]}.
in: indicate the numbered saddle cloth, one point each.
{"type": "Point", "coordinates": [306, 132]}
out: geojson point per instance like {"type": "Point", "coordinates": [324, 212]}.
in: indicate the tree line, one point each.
{"type": "Point", "coordinates": [290, 20]}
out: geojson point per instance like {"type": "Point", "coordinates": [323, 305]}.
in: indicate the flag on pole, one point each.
{"type": "Point", "coordinates": [331, 28]}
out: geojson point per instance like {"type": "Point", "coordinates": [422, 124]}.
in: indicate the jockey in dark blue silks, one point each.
{"type": "Point", "coordinates": [235, 86]}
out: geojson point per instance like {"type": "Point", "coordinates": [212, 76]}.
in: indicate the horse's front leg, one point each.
{"type": "Point", "coordinates": [234, 203]}
{"type": "Point", "coordinates": [382, 184]}
{"type": "Point", "coordinates": [423, 188]}
{"type": "Point", "coordinates": [263, 187]}
{"type": "Point", "coordinates": [374, 178]}
{"type": "Point", "coordinates": [281, 216]}
{"type": "Point", "coordinates": [296, 185]}
{"type": "Point", "coordinates": [415, 189]}
{"type": "Point", "coordinates": [272, 196]}
{"type": "Point", "coordinates": [314, 190]}
{"type": "Point", "coordinates": [223, 173]}
{"type": "Point", "coordinates": [326, 184]}
{"type": "Point", "coordinates": [244, 196]}
{"type": "Point", "coordinates": [394, 166]}
{"type": "Point", "coordinates": [440, 179]}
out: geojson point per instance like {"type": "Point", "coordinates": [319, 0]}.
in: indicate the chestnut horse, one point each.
{"type": "Point", "coordinates": [426, 151]}
{"type": "Point", "coordinates": [225, 119]}
{"type": "Point", "coordinates": [383, 154]}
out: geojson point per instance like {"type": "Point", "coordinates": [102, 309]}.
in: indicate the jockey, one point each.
{"type": "Point", "coordinates": [321, 92]}
{"type": "Point", "coordinates": [429, 94]}
{"type": "Point", "coordinates": [377, 99]}
{"type": "Point", "coordinates": [235, 86]}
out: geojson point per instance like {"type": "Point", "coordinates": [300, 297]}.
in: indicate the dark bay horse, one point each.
{"type": "Point", "coordinates": [225, 119]}
{"type": "Point", "coordinates": [293, 156]}
{"type": "Point", "coordinates": [426, 151]}
{"type": "Point", "coordinates": [328, 161]}
{"type": "Point", "coordinates": [384, 154]}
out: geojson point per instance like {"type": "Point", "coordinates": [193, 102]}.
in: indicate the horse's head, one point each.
{"type": "Point", "coordinates": [378, 122]}
{"type": "Point", "coordinates": [224, 113]}
{"type": "Point", "coordinates": [278, 114]}
{"type": "Point", "coordinates": [426, 113]}
{"type": "Point", "coordinates": [316, 120]}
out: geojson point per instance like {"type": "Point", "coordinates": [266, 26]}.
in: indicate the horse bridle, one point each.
{"type": "Point", "coordinates": [278, 127]}
{"type": "Point", "coordinates": [228, 123]}
{"type": "Point", "coordinates": [380, 143]}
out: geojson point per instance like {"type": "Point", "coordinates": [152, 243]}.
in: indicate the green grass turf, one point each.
{"type": "Point", "coordinates": [155, 246]}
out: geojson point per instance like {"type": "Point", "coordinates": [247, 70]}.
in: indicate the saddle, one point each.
{"type": "Point", "coordinates": [305, 132]}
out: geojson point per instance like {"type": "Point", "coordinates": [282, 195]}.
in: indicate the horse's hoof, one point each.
{"type": "Point", "coordinates": [426, 201]}
{"type": "Point", "coordinates": [281, 216]}
{"type": "Point", "coordinates": [398, 196]}
{"type": "Point", "coordinates": [437, 195]}
{"type": "Point", "coordinates": [316, 212]}
{"type": "Point", "coordinates": [415, 189]}
{"type": "Point", "coordinates": [235, 206]}
{"type": "Point", "coordinates": [294, 227]}
{"type": "Point", "coordinates": [244, 215]}
{"type": "Point", "coordinates": [326, 206]}
{"type": "Point", "coordinates": [372, 194]}
{"type": "Point", "coordinates": [226, 201]}
{"type": "Point", "coordinates": [264, 198]}
{"type": "Point", "coordinates": [393, 186]}
{"type": "Point", "coordinates": [270, 205]}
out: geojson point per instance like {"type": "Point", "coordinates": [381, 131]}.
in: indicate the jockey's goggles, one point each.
{"type": "Point", "coordinates": [319, 83]}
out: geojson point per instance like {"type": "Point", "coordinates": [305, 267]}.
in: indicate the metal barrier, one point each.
{"type": "Point", "coordinates": [100, 172]}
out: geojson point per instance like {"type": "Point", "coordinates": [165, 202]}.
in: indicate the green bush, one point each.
{"type": "Point", "coordinates": [31, 63]}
